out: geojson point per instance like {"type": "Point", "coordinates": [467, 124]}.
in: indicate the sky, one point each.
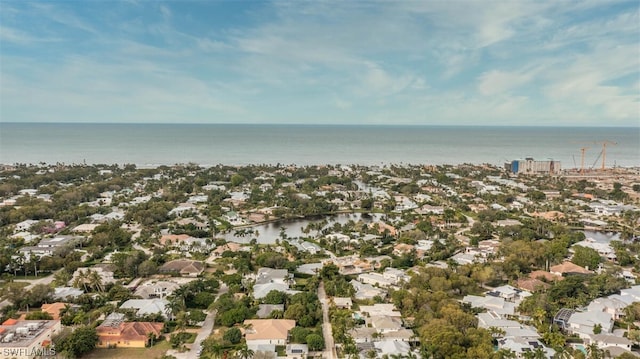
{"type": "Point", "coordinates": [547, 63]}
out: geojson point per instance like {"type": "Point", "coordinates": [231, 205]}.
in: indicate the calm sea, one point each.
{"type": "Point", "coordinates": [158, 144]}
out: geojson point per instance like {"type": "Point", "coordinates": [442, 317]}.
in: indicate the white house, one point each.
{"type": "Point", "coordinates": [144, 307]}
{"type": "Point", "coordinates": [583, 323]}
{"type": "Point", "coordinates": [607, 340]}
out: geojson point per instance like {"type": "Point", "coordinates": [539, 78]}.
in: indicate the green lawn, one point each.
{"type": "Point", "coordinates": [126, 353]}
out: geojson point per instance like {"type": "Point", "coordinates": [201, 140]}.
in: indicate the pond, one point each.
{"type": "Point", "coordinates": [269, 232]}
{"type": "Point", "coordinates": [602, 237]}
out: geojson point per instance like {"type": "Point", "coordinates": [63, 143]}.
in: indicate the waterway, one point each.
{"type": "Point", "coordinates": [267, 233]}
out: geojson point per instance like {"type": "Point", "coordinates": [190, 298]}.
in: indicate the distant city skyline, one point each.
{"type": "Point", "coordinates": [498, 63]}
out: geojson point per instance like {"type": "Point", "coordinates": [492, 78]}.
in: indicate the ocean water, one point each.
{"type": "Point", "coordinates": [166, 144]}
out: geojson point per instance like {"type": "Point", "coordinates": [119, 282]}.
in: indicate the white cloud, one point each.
{"type": "Point", "coordinates": [16, 36]}
{"type": "Point", "coordinates": [463, 61]}
{"type": "Point", "coordinates": [496, 82]}
{"type": "Point", "coordinates": [342, 104]}
{"type": "Point", "coordinates": [54, 13]}
{"type": "Point", "coordinates": [165, 11]}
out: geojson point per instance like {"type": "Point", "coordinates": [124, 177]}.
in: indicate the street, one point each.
{"type": "Point", "coordinates": [329, 345]}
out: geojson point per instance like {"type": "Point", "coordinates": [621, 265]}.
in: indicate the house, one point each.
{"type": "Point", "coordinates": [549, 277]}
{"type": "Point", "coordinates": [392, 347]}
{"type": "Point", "coordinates": [568, 268]}
{"type": "Point", "coordinates": [494, 304]}
{"type": "Point", "coordinates": [85, 275]}
{"type": "Point", "coordinates": [402, 248]}
{"type": "Point", "coordinates": [115, 332]}
{"type": "Point", "coordinates": [261, 290]}
{"type": "Point", "coordinates": [268, 279]}
{"type": "Point", "coordinates": [366, 291]}
{"type": "Point", "coordinates": [342, 302]}
{"type": "Point", "coordinates": [53, 309]}
{"type": "Point", "coordinates": [611, 305]}
{"type": "Point", "coordinates": [310, 268]}
{"type": "Point", "coordinates": [363, 334]}
{"type": "Point", "coordinates": [25, 225]}
{"type": "Point", "coordinates": [142, 307]}
{"type": "Point", "coordinates": [264, 310]}
{"type": "Point", "coordinates": [508, 222]}
{"type": "Point", "coordinates": [384, 324]}
{"type": "Point", "coordinates": [267, 331]}
{"type": "Point", "coordinates": [630, 294]}
{"type": "Point", "coordinates": [604, 249]}
{"type": "Point", "coordinates": [608, 340]}
{"type": "Point", "coordinates": [229, 246]}
{"type": "Point", "coordinates": [396, 276]}
{"type": "Point", "coordinates": [297, 351]}
{"type": "Point", "coordinates": [26, 339]}
{"type": "Point", "coordinates": [383, 310]}
{"type": "Point", "coordinates": [511, 328]}
{"type": "Point", "coordinates": [85, 228]}
{"type": "Point", "coordinates": [532, 284]}
{"type": "Point", "coordinates": [351, 264]}
{"type": "Point", "coordinates": [583, 323]}
{"type": "Point", "coordinates": [383, 228]}
{"type": "Point", "coordinates": [66, 293]}
{"type": "Point", "coordinates": [156, 289]}
{"type": "Point", "coordinates": [509, 293]}
{"type": "Point", "coordinates": [184, 267]}
{"type": "Point", "coordinates": [521, 346]}
{"type": "Point", "coordinates": [172, 239]}
{"type": "Point", "coordinates": [49, 246]}
{"type": "Point", "coordinates": [374, 278]}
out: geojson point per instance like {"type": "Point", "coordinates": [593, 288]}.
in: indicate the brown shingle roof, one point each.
{"type": "Point", "coordinates": [53, 309]}
{"type": "Point", "coordinates": [568, 267]}
{"type": "Point", "coordinates": [543, 274]}
{"type": "Point", "coordinates": [532, 284]}
{"type": "Point", "coordinates": [183, 266]}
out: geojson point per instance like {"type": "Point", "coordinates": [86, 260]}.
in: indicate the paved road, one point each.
{"type": "Point", "coordinates": [330, 347]}
{"type": "Point", "coordinates": [203, 333]}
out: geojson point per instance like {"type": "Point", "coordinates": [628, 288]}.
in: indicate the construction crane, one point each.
{"type": "Point", "coordinates": [604, 150]}
{"type": "Point", "coordinates": [582, 151]}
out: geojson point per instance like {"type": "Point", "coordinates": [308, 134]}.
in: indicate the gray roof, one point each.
{"type": "Point", "coordinates": [264, 310]}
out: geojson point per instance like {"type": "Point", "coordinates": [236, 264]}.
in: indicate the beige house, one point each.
{"type": "Point", "coordinates": [184, 267]}
{"type": "Point", "coordinates": [267, 331]}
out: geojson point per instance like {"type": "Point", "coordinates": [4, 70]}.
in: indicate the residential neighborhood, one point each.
{"type": "Point", "coordinates": [340, 261]}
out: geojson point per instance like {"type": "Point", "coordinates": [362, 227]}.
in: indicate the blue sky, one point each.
{"type": "Point", "coordinates": [322, 62]}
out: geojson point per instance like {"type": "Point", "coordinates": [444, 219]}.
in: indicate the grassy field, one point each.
{"type": "Point", "coordinates": [127, 353]}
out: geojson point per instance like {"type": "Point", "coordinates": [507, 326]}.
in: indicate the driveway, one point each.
{"type": "Point", "coordinates": [203, 333]}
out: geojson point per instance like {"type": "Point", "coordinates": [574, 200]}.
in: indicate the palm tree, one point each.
{"type": "Point", "coordinates": [151, 336]}
{"type": "Point", "coordinates": [217, 351]}
{"type": "Point", "coordinates": [593, 352]}
{"type": "Point", "coordinates": [61, 278]}
{"type": "Point", "coordinates": [95, 281]}
{"type": "Point", "coordinates": [562, 353]}
{"type": "Point", "coordinates": [81, 279]}
{"type": "Point", "coordinates": [181, 320]}
{"type": "Point", "coordinates": [245, 353]}
{"type": "Point", "coordinates": [506, 354]}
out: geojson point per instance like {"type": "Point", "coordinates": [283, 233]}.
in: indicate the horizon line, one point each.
{"type": "Point", "coordinates": [314, 124]}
